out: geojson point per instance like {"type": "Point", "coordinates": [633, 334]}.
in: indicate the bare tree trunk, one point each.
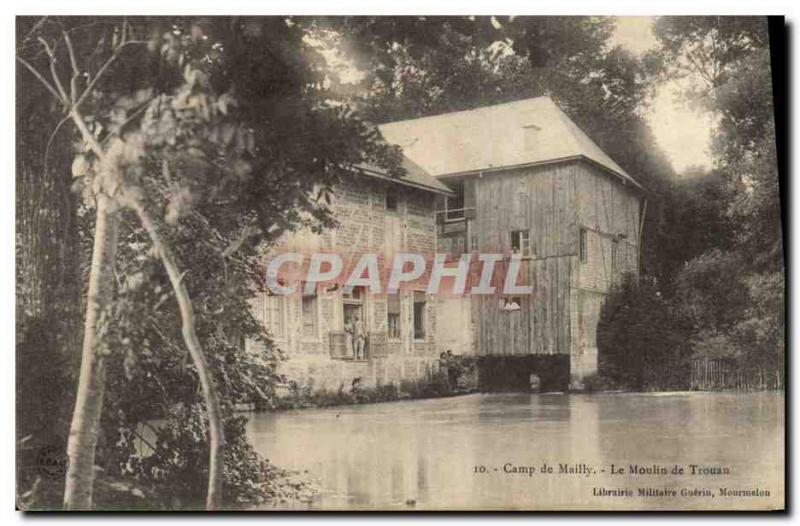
{"type": "Point", "coordinates": [49, 288]}
{"type": "Point", "coordinates": [216, 437]}
{"type": "Point", "coordinates": [91, 385]}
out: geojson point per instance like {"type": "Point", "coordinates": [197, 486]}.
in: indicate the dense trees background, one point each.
{"type": "Point", "coordinates": [723, 257]}
{"type": "Point", "coordinates": [212, 136]}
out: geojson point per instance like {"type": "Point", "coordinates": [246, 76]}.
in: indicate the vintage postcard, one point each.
{"type": "Point", "coordinates": [400, 263]}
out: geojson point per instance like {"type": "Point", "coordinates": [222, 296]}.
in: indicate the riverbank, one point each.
{"type": "Point", "coordinates": [307, 398]}
{"type": "Point", "coordinates": [439, 386]}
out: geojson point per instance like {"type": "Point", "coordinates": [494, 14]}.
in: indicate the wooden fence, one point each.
{"type": "Point", "coordinates": [714, 375]}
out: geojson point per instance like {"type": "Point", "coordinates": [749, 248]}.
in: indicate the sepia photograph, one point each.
{"type": "Point", "coordinates": [400, 263]}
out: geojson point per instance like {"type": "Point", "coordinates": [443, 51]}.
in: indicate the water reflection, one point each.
{"type": "Point", "coordinates": [428, 454]}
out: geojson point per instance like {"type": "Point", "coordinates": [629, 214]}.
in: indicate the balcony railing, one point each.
{"type": "Point", "coordinates": [376, 346]}
{"type": "Point", "coordinates": [455, 214]}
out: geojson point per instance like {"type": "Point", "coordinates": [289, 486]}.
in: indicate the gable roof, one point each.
{"type": "Point", "coordinates": [493, 137]}
{"type": "Point", "coordinates": [415, 177]}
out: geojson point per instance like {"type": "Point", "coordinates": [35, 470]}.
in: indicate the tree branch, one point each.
{"type": "Point", "coordinates": [53, 72]}
{"type": "Point", "coordinates": [76, 72]}
{"type": "Point", "coordinates": [77, 118]}
{"type": "Point", "coordinates": [39, 76]}
{"type": "Point", "coordinates": [103, 68]}
{"type": "Point", "coordinates": [216, 437]}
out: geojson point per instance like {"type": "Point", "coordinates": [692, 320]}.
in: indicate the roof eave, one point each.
{"type": "Point", "coordinates": [626, 179]}
{"type": "Point", "coordinates": [405, 182]}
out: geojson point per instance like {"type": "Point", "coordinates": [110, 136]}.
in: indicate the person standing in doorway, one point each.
{"type": "Point", "coordinates": [349, 339]}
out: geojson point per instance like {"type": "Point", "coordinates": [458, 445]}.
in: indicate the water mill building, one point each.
{"type": "Point", "coordinates": [520, 179]}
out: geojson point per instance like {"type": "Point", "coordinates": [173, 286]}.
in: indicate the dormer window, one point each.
{"type": "Point", "coordinates": [530, 136]}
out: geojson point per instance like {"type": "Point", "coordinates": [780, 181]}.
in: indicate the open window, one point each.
{"type": "Point", "coordinates": [521, 242]}
{"type": "Point", "coordinates": [510, 304]}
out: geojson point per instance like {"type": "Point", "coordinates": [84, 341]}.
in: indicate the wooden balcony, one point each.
{"type": "Point", "coordinates": [377, 346]}
{"type": "Point", "coordinates": [455, 215]}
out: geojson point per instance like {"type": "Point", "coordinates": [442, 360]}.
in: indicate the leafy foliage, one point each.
{"type": "Point", "coordinates": [227, 138]}
{"type": "Point", "coordinates": [722, 256]}
{"type": "Point", "coordinates": [733, 292]}
{"type": "Point", "coordinates": [304, 396]}
{"type": "Point", "coordinates": [175, 466]}
{"type": "Point", "coordinates": [641, 339]}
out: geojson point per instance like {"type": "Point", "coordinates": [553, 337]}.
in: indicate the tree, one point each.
{"type": "Point", "coordinates": [733, 291]}
{"type": "Point", "coordinates": [236, 118]}
{"type": "Point", "coordinates": [694, 220]}
{"type": "Point", "coordinates": [48, 280]}
{"type": "Point", "coordinates": [641, 338]}
{"type": "Point", "coordinates": [706, 49]}
{"type": "Point", "coordinates": [727, 61]}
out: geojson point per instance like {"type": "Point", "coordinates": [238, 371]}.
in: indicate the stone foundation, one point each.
{"type": "Point", "coordinates": [324, 374]}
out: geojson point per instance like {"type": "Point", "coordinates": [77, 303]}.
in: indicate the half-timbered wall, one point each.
{"type": "Point", "coordinates": [365, 226]}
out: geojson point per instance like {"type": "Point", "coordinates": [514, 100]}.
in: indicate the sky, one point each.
{"type": "Point", "coordinates": [684, 135]}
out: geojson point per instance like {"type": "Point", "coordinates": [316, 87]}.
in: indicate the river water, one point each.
{"type": "Point", "coordinates": [486, 451]}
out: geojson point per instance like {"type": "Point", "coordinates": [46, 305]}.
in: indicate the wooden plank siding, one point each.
{"type": "Point", "coordinates": [541, 201]}
{"type": "Point", "coordinates": [553, 203]}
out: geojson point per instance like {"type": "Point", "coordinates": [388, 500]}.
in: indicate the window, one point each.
{"type": "Point", "coordinates": [521, 242]}
{"type": "Point", "coordinates": [419, 315]}
{"type": "Point", "coordinates": [583, 248]}
{"type": "Point", "coordinates": [454, 205]}
{"type": "Point", "coordinates": [391, 199]}
{"type": "Point", "coordinates": [473, 243]}
{"type": "Point", "coordinates": [273, 315]}
{"type": "Point", "coordinates": [310, 315]}
{"type": "Point", "coordinates": [458, 246]}
{"type": "Point", "coordinates": [512, 304]}
{"type": "Point", "coordinates": [393, 316]}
